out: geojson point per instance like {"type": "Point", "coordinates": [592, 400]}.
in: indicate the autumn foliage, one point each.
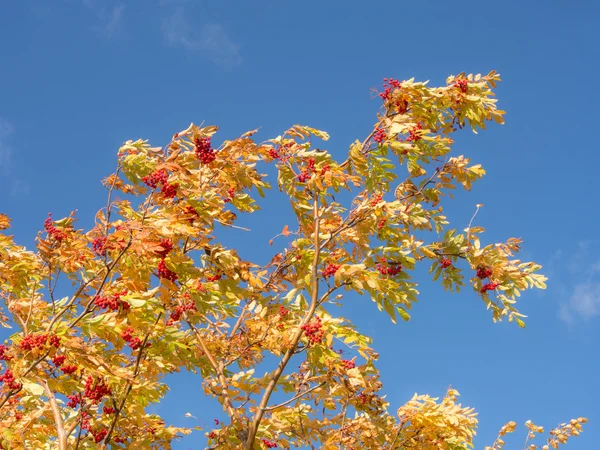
{"type": "Point", "coordinates": [154, 290]}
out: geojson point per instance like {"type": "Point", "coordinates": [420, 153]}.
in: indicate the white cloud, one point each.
{"type": "Point", "coordinates": [211, 39]}
{"type": "Point", "coordinates": [583, 298]}
{"type": "Point", "coordinates": [111, 20]}
{"type": "Point", "coordinates": [584, 303]}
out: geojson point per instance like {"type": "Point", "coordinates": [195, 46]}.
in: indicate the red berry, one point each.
{"type": "Point", "coordinates": [445, 263]}
{"type": "Point", "coordinates": [483, 272]}
{"type": "Point", "coordinates": [348, 364]}
{"type": "Point", "coordinates": [380, 135]}
{"type": "Point", "coordinates": [489, 287]}
{"type": "Point", "coordinates": [203, 151]}
{"type": "Point", "coordinates": [165, 272]}
{"type": "Point", "coordinates": [330, 270]}
{"type": "Point", "coordinates": [69, 369]}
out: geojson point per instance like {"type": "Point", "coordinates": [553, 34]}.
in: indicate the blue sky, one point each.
{"type": "Point", "coordinates": [79, 77]}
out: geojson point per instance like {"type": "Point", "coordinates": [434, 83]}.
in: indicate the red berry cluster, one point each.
{"type": "Point", "coordinates": [283, 311]}
{"type": "Point", "coordinates": [483, 272]}
{"type": "Point", "coordinates": [58, 360]}
{"type": "Point", "coordinates": [190, 211]}
{"type": "Point", "coordinates": [165, 272]}
{"type": "Point", "coordinates": [74, 400]}
{"type": "Point", "coordinates": [385, 268]}
{"type": "Point", "coordinates": [308, 171]}
{"type": "Point", "coordinates": [18, 415]}
{"type": "Point", "coordinates": [389, 84]}
{"type": "Point", "coordinates": [381, 223]}
{"type": "Point", "coordinates": [269, 444]}
{"type": "Point", "coordinates": [69, 369]}
{"type": "Point", "coordinates": [132, 341]}
{"type": "Point", "coordinates": [113, 302]}
{"type": "Point", "coordinates": [274, 154]}
{"type": "Point", "coordinates": [4, 356]}
{"type": "Point", "coordinates": [314, 331]}
{"type": "Point", "coordinates": [489, 287]}
{"type": "Point", "coordinates": [204, 152]}
{"type": "Point", "coordinates": [376, 199]}
{"type": "Point", "coordinates": [190, 305]}
{"type": "Point", "coordinates": [167, 246]}
{"type": "Point", "coordinates": [326, 168]}
{"type": "Point", "coordinates": [99, 435]}
{"type": "Point", "coordinates": [157, 178]}
{"type": "Point", "coordinates": [120, 440]}
{"type": "Point", "coordinates": [53, 232]}
{"type": "Point", "coordinates": [445, 263]}
{"type": "Point", "coordinates": [380, 135]}
{"type": "Point", "coordinates": [212, 435]}
{"type": "Point", "coordinates": [230, 195]}
{"type": "Point", "coordinates": [95, 390]}
{"type": "Point", "coordinates": [108, 410]}
{"type": "Point", "coordinates": [160, 178]}
{"type": "Point", "coordinates": [330, 270]}
{"type": "Point", "coordinates": [215, 277]}
{"type": "Point", "coordinates": [99, 245]}
{"type": "Point", "coordinates": [348, 364]}
{"type": "Point", "coordinates": [9, 379]}
{"type": "Point", "coordinates": [414, 134]}
{"type": "Point", "coordinates": [169, 190]}
{"type": "Point", "coordinates": [32, 341]}
{"type": "Point", "coordinates": [462, 84]}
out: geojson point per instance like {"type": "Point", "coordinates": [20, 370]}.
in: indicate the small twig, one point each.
{"type": "Point", "coordinates": [296, 397]}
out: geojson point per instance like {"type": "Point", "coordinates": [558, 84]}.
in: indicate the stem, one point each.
{"type": "Point", "coordinates": [296, 397]}
{"type": "Point", "coordinates": [292, 348]}
{"type": "Point", "coordinates": [60, 426]}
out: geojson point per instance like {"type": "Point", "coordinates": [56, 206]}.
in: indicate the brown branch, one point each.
{"type": "Point", "coordinates": [136, 371]}
{"type": "Point", "coordinates": [291, 349]}
{"type": "Point", "coordinates": [219, 370]}
{"type": "Point", "coordinates": [58, 420]}
{"type": "Point", "coordinates": [296, 397]}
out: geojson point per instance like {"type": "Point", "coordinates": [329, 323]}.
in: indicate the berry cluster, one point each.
{"type": "Point", "coordinates": [381, 223]}
{"type": "Point", "coordinates": [269, 444]}
{"type": "Point", "coordinates": [230, 195]}
{"type": "Point", "coordinates": [9, 379]}
{"type": "Point", "coordinates": [389, 84]}
{"type": "Point", "coordinates": [4, 356]}
{"type": "Point", "coordinates": [69, 369]}
{"type": "Point", "coordinates": [156, 179]}
{"type": "Point", "coordinates": [274, 154]}
{"type": "Point", "coordinates": [99, 245]}
{"type": "Point", "coordinates": [348, 364]}
{"type": "Point", "coordinates": [58, 360]}
{"type": "Point", "coordinates": [390, 269]}
{"type": "Point", "coordinates": [165, 272]}
{"type": "Point", "coordinates": [204, 152]}
{"type": "Point", "coordinates": [445, 263]}
{"type": "Point", "coordinates": [215, 277]}
{"type": "Point", "coordinates": [113, 302]}
{"type": "Point", "coordinates": [190, 305]}
{"type": "Point", "coordinates": [132, 341]}
{"type": "Point", "coordinates": [414, 134]}
{"type": "Point", "coordinates": [283, 311]}
{"type": "Point", "coordinates": [190, 211]}
{"type": "Point", "coordinates": [376, 199]}
{"type": "Point", "coordinates": [308, 171]}
{"type": "Point", "coordinates": [160, 178]}
{"type": "Point", "coordinates": [330, 270]}
{"type": "Point", "coordinates": [95, 391]}
{"type": "Point", "coordinates": [314, 331]}
{"type": "Point", "coordinates": [167, 246]}
{"type": "Point", "coordinates": [483, 272]}
{"type": "Point", "coordinates": [74, 400]}
{"type": "Point", "coordinates": [99, 435]}
{"type": "Point", "coordinates": [108, 410]}
{"type": "Point", "coordinates": [326, 168]}
{"type": "Point", "coordinates": [53, 232]}
{"type": "Point", "coordinates": [380, 135]}
{"type": "Point", "coordinates": [462, 84]}
{"type": "Point", "coordinates": [32, 341]}
{"type": "Point", "coordinates": [169, 190]}
{"type": "Point", "coordinates": [488, 287]}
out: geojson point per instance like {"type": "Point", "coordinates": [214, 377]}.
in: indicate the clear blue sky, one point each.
{"type": "Point", "coordinates": [81, 76]}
